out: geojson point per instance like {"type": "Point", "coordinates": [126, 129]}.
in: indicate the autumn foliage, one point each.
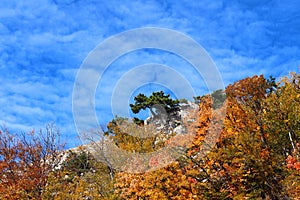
{"type": "Point", "coordinates": [248, 160]}
{"type": "Point", "coordinates": [26, 161]}
{"type": "Point", "coordinates": [241, 143]}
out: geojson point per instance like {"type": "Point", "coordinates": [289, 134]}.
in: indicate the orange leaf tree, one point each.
{"type": "Point", "coordinates": [243, 162]}
{"type": "Point", "coordinates": [282, 116]}
{"type": "Point", "coordinates": [80, 177]}
{"type": "Point", "coordinates": [25, 162]}
{"type": "Point", "coordinates": [178, 180]}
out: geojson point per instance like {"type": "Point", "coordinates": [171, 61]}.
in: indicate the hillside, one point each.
{"type": "Point", "coordinates": [244, 146]}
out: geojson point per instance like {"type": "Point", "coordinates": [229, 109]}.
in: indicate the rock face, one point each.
{"type": "Point", "coordinates": [173, 123]}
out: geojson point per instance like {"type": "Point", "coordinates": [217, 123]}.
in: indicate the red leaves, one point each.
{"type": "Point", "coordinates": [23, 169]}
{"type": "Point", "coordinates": [293, 163]}
{"type": "Point", "coordinates": [192, 180]}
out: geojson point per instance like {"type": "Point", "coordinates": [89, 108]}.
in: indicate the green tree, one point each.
{"type": "Point", "coordinates": [78, 162]}
{"type": "Point", "coordinates": [218, 98]}
{"type": "Point", "coordinates": [157, 103]}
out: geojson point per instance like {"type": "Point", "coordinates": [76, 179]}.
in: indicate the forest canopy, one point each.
{"type": "Point", "coordinates": [256, 156]}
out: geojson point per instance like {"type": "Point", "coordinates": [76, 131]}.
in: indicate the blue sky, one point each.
{"type": "Point", "coordinates": [42, 46]}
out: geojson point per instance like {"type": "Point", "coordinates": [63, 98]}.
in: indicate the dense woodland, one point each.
{"type": "Point", "coordinates": [256, 155]}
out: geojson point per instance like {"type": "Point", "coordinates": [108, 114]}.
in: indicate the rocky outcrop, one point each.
{"type": "Point", "coordinates": [173, 123]}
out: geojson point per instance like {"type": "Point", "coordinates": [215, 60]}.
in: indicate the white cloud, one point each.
{"type": "Point", "coordinates": [42, 46]}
